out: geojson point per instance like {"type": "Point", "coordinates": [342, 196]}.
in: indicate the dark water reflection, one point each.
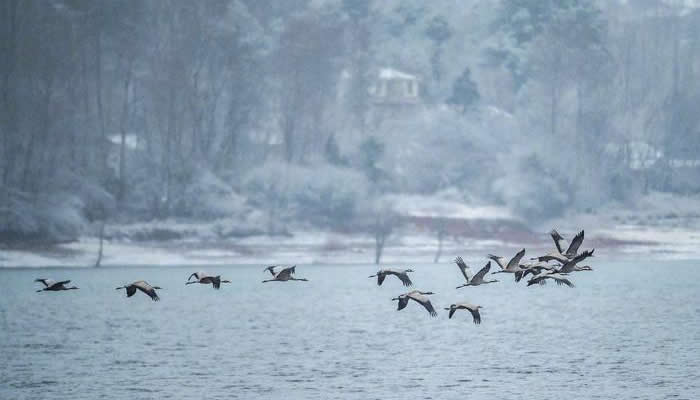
{"type": "Point", "coordinates": [626, 331]}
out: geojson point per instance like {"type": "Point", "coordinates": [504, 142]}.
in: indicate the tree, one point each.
{"type": "Point", "coordinates": [438, 31]}
{"type": "Point", "coordinates": [523, 22]}
{"type": "Point", "coordinates": [370, 155]}
{"type": "Point", "coordinates": [464, 92]}
{"type": "Point", "coordinates": [332, 152]}
{"type": "Point", "coordinates": [439, 226]}
{"type": "Point", "coordinates": [384, 222]}
{"type": "Point", "coordinates": [358, 52]}
{"type": "Point", "coordinates": [307, 71]}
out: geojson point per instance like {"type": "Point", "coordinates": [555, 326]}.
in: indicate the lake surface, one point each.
{"type": "Point", "coordinates": [628, 330]}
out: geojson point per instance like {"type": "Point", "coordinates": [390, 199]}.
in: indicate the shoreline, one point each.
{"type": "Point", "coordinates": [313, 247]}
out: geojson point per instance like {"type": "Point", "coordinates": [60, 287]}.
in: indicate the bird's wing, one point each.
{"type": "Point", "coordinates": [424, 301]}
{"type": "Point", "coordinates": [404, 278]}
{"type": "Point", "coordinates": [566, 267]}
{"type": "Point", "coordinates": [271, 268]}
{"type": "Point", "coordinates": [520, 274]}
{"type": "Point", "coordinates": [515, 261]}
{"type": "Point", "coordinates": [62, 282]}
{"type": "Point", "coordinates": [557, 240]}
{"type": "Point", "coordinates": [46, 282]}
{"type": "Point", "coordinates": [195, 274]}
{"type": "Point", "coordinates": [475, 315]}
{"type": "Point", "coordinates": [285, 273]}
{"type": "Point", "coordinates": [130, 290]}
{"type": "Point", "coordinates": [584, 255]}
{"type": "Point", "coordinates": [402, 275]}
{"type": "Point", "coordinates": [553, 256]}
{"type": "Point", "coordinates": [464, 268]}
{"type": "Point", "coordinates": [499, 260]}
{"type": "Point", "coordinates": [482, 272]}
{"type": "Point", "coordinates": [533, 271]}
{"type": "Point", "coordinates": [148, 289]}
{"type": "Point", "coordinates": [539, 279]}
{"type": "Point", "coordinates": [575, 244]}
{"type": "Point", "coordinates": [452, 311]}
{"type": "Point", "coordinates": [153, 295]}
{"type": "Point", "coordinates": [216, 281]}
{"type": "Point", "coordinates": [570, 264]}
{"type": "Point", "coordinates": [380, 278]}
{"type": "Point", "coordinates": [561, 280]}
{"type": "Point", "coordinates": [403, 301]}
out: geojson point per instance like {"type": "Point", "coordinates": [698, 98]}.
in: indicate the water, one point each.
{"type": "Point", "coordinates": [626, 331]}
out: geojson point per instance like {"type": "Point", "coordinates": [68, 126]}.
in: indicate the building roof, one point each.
{"type": "Point", "coordinates": [131, 141]}
{"type": "Point", "coordinates": [390, 73]}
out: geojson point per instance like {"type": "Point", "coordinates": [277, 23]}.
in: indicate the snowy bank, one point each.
{"type": "Point", "coordinates": [626, 242]}
{"type": "Point", "coordinates": [653, 228]}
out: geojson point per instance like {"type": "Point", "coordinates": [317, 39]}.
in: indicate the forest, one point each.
{"type": "Point", "coordinates": [270, 115]}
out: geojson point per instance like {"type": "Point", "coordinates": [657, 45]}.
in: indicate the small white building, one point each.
{"type": "Point", "coordinates": [394, 87]}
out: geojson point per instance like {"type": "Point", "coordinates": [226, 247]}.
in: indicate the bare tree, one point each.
{"type": "Point", "coordinates": [384, 222]}
{"type": "Point", "coordinates": [101, 235]}
{"type": "Point", "coordinates": [440, 228]}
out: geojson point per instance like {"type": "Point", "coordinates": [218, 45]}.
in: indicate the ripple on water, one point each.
{"type": "Point", "coordinates": [43, 346]}
{"type": "Point", "coordinates": [32, 384]}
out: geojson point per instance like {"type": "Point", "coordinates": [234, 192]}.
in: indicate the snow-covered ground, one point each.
{"type": "Point", "coordinates": [624, 242]}
{"type": "Point", "coordinates": [658, 227]}
{"type": "Point", "coordinates": [629, 242]}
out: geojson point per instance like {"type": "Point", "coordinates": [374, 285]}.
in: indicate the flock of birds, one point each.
{"type": "Point", "coordinates": [556, 266]}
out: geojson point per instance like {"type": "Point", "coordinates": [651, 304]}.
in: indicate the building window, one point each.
{"type": "Point", "coordinates": [412, 92]}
